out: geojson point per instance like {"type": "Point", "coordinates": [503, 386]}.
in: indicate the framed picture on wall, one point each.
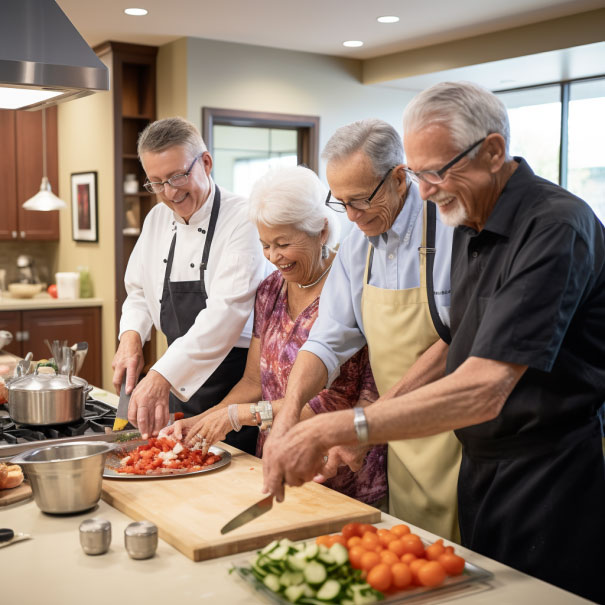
{"type": "Point", "coordinates": [84, 207]}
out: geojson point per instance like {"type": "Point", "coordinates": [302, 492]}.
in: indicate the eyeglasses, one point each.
{"type": "Point", "coordinates": [176, 180]}
{"type": "Point", "coordinates": [340, 206]}
{"type": "Point", "coordinates": [434, 177]}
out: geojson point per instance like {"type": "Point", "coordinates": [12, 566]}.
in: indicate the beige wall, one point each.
{"type": "Point", "coordinates": [86, 144]}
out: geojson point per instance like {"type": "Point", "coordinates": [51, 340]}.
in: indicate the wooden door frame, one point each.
{"type": "Point", "coordinates": [307, 127]}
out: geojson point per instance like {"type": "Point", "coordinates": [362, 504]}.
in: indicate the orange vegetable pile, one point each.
{"type": "Point", "coordinates": [395, 559]}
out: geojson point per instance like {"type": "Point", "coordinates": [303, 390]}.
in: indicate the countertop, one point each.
{"type": "Point", "coordinates": [52, 568]}
{"type": "Point", "coordinates": [45, 301]}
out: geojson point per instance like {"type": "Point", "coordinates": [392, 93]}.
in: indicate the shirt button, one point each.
{"type": "Point", "coordinates": [160, 301]}
{"type": "Point", "coordinates": [192, 265]}
{"type": "Point", "coordinates": [203, 230]}
{"type": "Point", "coordinates": [474, 254]}
{"type": "Point", "coordinates": [182, 388]}
{"type": "Point", "coordinates": [199, 228]}
{"type": "Point", "coordinates": [391, 256]}
{"type": "Point", "coordinates": [165, 260]}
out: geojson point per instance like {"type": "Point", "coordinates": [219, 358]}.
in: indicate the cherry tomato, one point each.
{"type": "Point", "coordinates": [352, 541]}
{"type": "Point", "coordinates": [408, 557]}
{"type": "Point", "coordinates": [397, 547]}
{"type": "Point", "coordinates": [350, 530]}
{"type": "Point", "coordinates": [370, 541]}
{"type": "Point", "coordinates": [431, 574]}
{"type": "Point", "coordinates": [369, 559]}
{"type": "Point", "coordinates": [387, 538]}
{"type": "Point", "coordinates": [337, 539]}
{"type": "Point", "coordinates": [434, 551]}
{"type": "Point", "coordinates": [323, 540]}
{"type": "Point", "coordinates": [400, 530]}
{"type": "Point", "coordinates": [364, 527]}
{"type": "Point", "coordinates": [355, 555]}
{"type": "Point", "coordinates": [415, 566]}
{"type": "Point", "coordinates": [453, 564]}
{"type": "Point", "coordinates": [380, 577]}
{"type": "Point", "coordinates": [388, 557]}
{"type": "Point", "coordinates": [402, 576]}
{"type": "Point", "coordinates": [413, 544]}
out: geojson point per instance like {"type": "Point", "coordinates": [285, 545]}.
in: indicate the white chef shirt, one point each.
{"type": "Point", "coordinates": [338, 331]}
{"type": "Point", "coordinates": [236, 266]}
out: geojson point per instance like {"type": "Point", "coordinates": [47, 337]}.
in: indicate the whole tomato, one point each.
{"type": "Point", "coordinates": [52, 290]}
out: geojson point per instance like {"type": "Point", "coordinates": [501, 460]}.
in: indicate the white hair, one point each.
{"type": "Point", "coordinates": [293, 195]}
{"type": "Point", "coordinates": [377, 139]}
{"type": "Point", "coordinates": [470, 112]}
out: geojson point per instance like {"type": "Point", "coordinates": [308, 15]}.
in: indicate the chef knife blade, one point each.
{"type": "Point", "coordinates": [251, 513]}
{"type": "Point", "coordinates": [122, 414]}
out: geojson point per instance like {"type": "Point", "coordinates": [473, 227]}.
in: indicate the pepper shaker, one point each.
{"type": "Point", "coordinates": [141, 539]}
{"type": "Point", "coordinates": [95, 536]}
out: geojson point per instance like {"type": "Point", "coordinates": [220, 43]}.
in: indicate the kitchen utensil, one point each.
{"type": "Point", "coordinates": [5, 338]}
{"type": "Point", "coordinates": [80, 350]}
{"type": "Point", "coordinates": [252, 512]}
{"type": "Point", "coordinates": [18, 290]}
{"type": "Point", "coordinates": [68, 284]}
{"type": "Point", "coordinates": [141, 539]}
{"type": "Point", "coordinates": [40, 399]}
{"type": "Point", "coordinates": [67, 362]}
{"type": "Point", "coordinates": [122, 414]}
{"type": "Point", "coordinates": [15, 494]}
{"type": "Point", "coordinates": [26, 266]}
{"type": "Point", "coordinates": [113, 461]}
{"type": "Point", "coordinates": [190, 511]}
{"type": "Point", "coordinates": [95, 536]}
{"type": "Point", "coordinates": [8, 537]}
{"type": "Point", "coordinates": [65, 478]}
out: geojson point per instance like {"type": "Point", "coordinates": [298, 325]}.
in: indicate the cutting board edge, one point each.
{"type": "Point", "coordinates": [16, 494]}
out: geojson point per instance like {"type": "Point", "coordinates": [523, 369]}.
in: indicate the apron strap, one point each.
{"type": "Point", "coordinates": [431, 223]}
{"type": "Point", "coordinates": [216, 206]}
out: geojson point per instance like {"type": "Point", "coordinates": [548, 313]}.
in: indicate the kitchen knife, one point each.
{"type": "Point", "coordinates": [251, 513]}
{"type": "Point", "coordinates": [122, 414]}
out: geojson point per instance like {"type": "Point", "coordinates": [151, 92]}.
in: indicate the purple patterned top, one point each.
{"type": "Point", "coordinates": [280, 340]}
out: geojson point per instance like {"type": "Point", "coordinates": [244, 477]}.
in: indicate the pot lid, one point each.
{"type": "Point", "coordinates": [46, 382]}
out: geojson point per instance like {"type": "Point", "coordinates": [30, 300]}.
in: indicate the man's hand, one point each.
{"type": "Point", "coordinates": [128, 359]}
{"type": "Point", "coordinates": [148, 408]}
{"type": "Point", "coordinates": [274, 448]}
{"type": "Point", "coordinates": [341, 455]}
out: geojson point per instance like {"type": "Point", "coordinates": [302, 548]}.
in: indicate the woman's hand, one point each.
{"type": "Point", "coordinates": [211, 428]}
{"type": "Point", "coordinates": [179, 429]}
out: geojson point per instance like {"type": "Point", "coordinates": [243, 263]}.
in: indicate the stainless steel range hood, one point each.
{"type": "Point", "coordinates": [42, 54]}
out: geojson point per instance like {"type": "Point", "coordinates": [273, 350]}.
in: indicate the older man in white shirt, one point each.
{"type": "Point", "coordinates": [389, 287]}
{"type": "Point", "coordinates": [193, 275]}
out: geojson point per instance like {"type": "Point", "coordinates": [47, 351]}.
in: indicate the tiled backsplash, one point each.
{"type": "Point", "coordinates": [44, 253]}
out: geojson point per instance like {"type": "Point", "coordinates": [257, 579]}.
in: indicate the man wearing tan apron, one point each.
{"type": "Point", "coordinates": [383, 303]}
{"type": "Point", "coordinates": [399, 326]}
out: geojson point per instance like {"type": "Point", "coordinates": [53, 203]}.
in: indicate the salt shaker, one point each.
{"type": "Point", "coordinates": [95, 536]}
{"type": "Point", "coordinates": [141, 539]}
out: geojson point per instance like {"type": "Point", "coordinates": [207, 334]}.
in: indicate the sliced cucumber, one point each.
{"type": "Point", "coordinates": [311, 551]}
{"type": "Point", "coordinates": [339, 554]}
{"type": "Point", "coordinates": [279, 553]}
{"type": "Point", "coordinates": [259, 570]}
{"type": "Point", "coordinates": [329, 591]}
{"type": "Point", "coordinates": [297, 562]}
{"type": "Point", "coordinates": [291, 578]}
{"type": "Point", "coordinates": [315, 573]}
{"type": "Point", "coordinates": [271, 546]}
{"type": "Point", "coordinates": [271, 582]}
{"type": "Point", "coordinates": [294, 593]}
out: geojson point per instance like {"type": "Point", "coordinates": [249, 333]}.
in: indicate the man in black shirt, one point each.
{"type": "Point", "coordinates": [524, 376]}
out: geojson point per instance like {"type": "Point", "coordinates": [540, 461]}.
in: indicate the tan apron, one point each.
{"type": "Point", "coordinates": [423, 472]}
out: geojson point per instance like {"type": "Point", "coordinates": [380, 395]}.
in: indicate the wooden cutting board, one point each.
{"type": "Point", "coordinates": [15, 494]}
{"type": "Point", "coordinates": [190, 511]}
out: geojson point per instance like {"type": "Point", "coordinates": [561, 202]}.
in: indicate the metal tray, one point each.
{"type": "Point", "coordinates": [468, 580]}
{"type": "Point", "coordinates": [113, 460]}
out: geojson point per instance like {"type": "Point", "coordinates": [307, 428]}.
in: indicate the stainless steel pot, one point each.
{"type": "Point", "coordinates": [66, 478]}
{"type": "Point", "coordinates": [40, 399]}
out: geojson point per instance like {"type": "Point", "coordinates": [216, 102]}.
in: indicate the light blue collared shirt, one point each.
{"type": "Point", "coordinates": [338, 332]}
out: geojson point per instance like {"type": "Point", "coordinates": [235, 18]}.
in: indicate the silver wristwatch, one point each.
{"type": "Point", "coordinates": [262, 412]}
{"type": "Point", "coordinates": [360, 422]}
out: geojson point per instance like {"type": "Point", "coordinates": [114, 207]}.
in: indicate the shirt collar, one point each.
{"type": "Point", "coordinates": [200, 216]}
{"type": "Point", "coordinates": [404, 221]}
{"type": "Point", "coordinates": [504, 214]}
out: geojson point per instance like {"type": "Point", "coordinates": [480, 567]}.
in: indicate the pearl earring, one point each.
{"type": "Point", "coordinates": [325, 253]}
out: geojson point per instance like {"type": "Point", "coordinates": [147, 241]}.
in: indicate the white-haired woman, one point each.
{"type": "Point", "coordinates": [298, 234]}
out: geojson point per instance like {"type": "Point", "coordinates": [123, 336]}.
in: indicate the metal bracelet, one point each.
{"type": "Point", "coordinates": [360, 422]}
{"type": "Point", "coordinates": [232, 411]}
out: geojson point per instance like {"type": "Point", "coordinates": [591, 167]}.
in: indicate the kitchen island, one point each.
{"type": "Point", "coordinates": [52, 568]}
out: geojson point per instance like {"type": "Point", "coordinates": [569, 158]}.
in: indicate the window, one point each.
{"type": "Point", "coordinates": [559, 129]}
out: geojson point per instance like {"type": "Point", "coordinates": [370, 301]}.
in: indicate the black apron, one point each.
{"type": "Point", "coordinates": [535, 501]}
{"type": "Point", "coordinates": [180, 305]}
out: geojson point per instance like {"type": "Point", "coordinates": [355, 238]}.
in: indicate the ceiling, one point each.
{"type": "Point", "coordinates": [320, 26]}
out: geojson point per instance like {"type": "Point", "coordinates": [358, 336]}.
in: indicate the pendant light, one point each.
{"type": "Point", "coordinates": [45, 199]}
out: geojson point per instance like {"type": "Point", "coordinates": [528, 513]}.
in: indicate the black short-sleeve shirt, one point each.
{"type": "Point", "coordinates": [530, 289]}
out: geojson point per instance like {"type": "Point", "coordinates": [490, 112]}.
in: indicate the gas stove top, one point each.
{"type": "Point", "coordinates": [98, 417]}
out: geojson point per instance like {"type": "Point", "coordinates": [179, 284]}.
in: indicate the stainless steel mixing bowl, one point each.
{"type": "Point", "coordinates": [66, 478]}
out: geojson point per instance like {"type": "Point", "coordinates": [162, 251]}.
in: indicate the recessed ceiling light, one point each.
{"type": "Point", "coordinates": [137, 12]}
{"type": "Point", "coordinates": [388, 19]}
{"type": "Point", "coordinates": [353, 43]}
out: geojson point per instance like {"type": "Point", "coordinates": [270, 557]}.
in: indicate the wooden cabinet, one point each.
{"type": "Point", "coordinates": [133, 69]}
{"type": "Point", "coordinates": [21, 174]}
{"type": "Point", "coordinates": [31, 328]}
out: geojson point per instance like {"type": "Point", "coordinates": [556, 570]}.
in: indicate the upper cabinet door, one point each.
{"type": "Point", "coordinates": [8, 176]}
{"type": "Point", "coordinates": [33, 225]}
